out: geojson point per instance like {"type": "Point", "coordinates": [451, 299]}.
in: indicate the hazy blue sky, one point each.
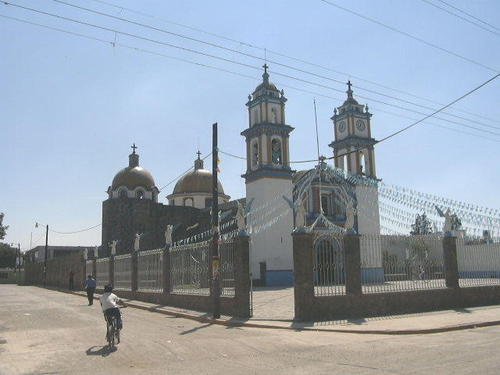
{"type": "Point", "coordinates": [71, 107]}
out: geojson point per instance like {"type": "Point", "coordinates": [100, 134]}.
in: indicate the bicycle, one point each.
{"type": "Point", "coordinates": [112, 331]}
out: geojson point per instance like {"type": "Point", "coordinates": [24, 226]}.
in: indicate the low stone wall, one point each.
{"type": "Point", "coordinates": [356, 304]}
{"type": "Point", "coordinates": [58, 270]}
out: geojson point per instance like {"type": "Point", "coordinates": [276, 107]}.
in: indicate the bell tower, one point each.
{"type": "Point", "coordinates": [268, 180]}
{"type": "Point", "coordinates": [352, 131]}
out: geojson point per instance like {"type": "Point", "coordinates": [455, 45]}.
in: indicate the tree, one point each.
{"type": "Point", "coordinates": [422, 225]}
{"type": "Point", "coordinates": [7, 256]}
{"type": "Point", "coordinates": [3, 228]}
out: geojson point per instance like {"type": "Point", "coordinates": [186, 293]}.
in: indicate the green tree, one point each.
{"type": "Point", "coordinates": [7, 255]}
{"type": "Point", "coordinates": [422, 225]}
{"type": "Point", "coordinates": [3, 228]}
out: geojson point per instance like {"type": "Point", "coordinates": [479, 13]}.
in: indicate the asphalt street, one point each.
{"type": "Point", "coordinates": [49, 332]}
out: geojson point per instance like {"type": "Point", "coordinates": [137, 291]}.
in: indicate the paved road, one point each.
{"type": "Point", "coordinates": [47, 332]}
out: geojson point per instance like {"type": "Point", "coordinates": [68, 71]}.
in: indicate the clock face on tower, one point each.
{"type": "Point", "coordinates": [342, 126]}
{"type": "Point", "coordinates": [360, 125]}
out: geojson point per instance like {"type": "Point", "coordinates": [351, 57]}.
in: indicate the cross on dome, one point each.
{"type": "Point", "coordinates": [133, 147]}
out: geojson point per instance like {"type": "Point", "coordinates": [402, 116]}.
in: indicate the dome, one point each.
{"type": "Point", "coordinates": [133, 176]}
{"type": "Point", "coordinates": [197, 181]}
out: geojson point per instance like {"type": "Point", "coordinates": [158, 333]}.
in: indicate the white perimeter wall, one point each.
{"type": "Point", "coordinates": [270, 224]}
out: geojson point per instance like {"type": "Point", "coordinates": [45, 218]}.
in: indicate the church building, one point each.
{"type": "Point", "coordinates": [278, 199]}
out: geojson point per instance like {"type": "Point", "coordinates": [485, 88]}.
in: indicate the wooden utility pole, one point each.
{"type": "Point", "coordinates": [215, 227]}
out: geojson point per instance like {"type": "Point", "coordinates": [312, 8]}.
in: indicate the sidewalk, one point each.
{"type": "Point", "coordinates": [420, 323]}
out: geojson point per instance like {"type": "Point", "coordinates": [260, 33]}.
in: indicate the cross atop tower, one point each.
{"type": "Point", "coordinates": [133, 147]}
{"type": "Point", "coordinates": [265, 76]}
{"type": "Point", "coordinates": [199, 154]}
{"type": "Point", "coordinates": [349, 89]}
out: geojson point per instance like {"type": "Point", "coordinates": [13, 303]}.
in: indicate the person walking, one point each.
{"type": "Point", "coordinates": [90, 285]}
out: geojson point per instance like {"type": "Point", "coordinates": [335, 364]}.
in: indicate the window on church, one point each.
{"type": "Point", "coordinates": [139, 194]}
{"type": "Point", "coordinates": [325, 204]}
{"type": "Point", "coordinates": [276, 151]}
{"type": "Point", "coordinates": [255, 155]}
{"type": "Point", "coordinates": [274, 115]}
{"type": "Point", "coordinates": [188, 202]}
{"type": "Point", "coordinates": [122, 193]}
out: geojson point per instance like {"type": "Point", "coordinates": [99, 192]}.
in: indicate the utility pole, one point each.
{"type": "Point", "coordinates": [215, 227]}
{"type": "Point", "coordinates": [45, 255]}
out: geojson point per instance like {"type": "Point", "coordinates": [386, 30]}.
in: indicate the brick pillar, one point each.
{"type": "Point", "coordinates": [242, 277]}
{"type": "Point", "coordinates": [450, 261]}
{"type": "Point", "coordinates": [303, 274]}
{"type": "Point", "coordinates": [166, 270]}
{"type": "Point", "coordinates": [112, 269]}
{"type": "Point", "coordinates": [135, 271]}
{"type": "Point", "coordinates": [352, 259]}
{"type": "Point", "coordinates": [94, 267]}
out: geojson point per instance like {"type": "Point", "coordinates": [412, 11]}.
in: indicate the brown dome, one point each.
{"type": "Point", "coordinates": [133, 177]}
{"type": "Point", "coordinates": [197, 181]}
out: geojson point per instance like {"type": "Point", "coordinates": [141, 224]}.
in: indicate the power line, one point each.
{"type": "Point", "coordinates": [260, 58]}
{"type": "Point", "coordinates": [440, 109]}
{"type": "Point", "coordinates": [460, 17]}
{"type": "Point", "coordinates": [267, 50]}
{"type": "Point", "coordinates": [470, 15]}
{"type": "Point", "coordinates": [76, 231]}
{"type": "Point", "coordinates": [181, 175]}
{"type": "Point", "coordinates": [234, 73]}
{"type": "Point", "coordinates": [401, 130]}
{"type": "Point", "coordinates": [392, 28]}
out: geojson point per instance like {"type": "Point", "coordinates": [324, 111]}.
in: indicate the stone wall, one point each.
{"type": "Point", "coordinates": [58, 276]}
{"type": "Point", "coordinates": [355, 304]}
{"type": "Point", "coordinates": [122, 218]}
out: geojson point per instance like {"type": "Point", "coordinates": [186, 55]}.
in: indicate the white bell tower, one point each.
{"type": "Point", "coordinates": [269, 184]}
{"type": "Point", "coordinates": [354, 152]}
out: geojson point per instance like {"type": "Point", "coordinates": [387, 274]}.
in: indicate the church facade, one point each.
{"type": "Point", "coordinates": [278, 198]}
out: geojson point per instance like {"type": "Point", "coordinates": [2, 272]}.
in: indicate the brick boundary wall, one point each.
{"type": "Point", "coordinates": [357, 305]}
{"type": "Point", "coordinates": [58, 276]}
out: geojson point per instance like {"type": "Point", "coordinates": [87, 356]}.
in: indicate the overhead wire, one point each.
{"type": "Point", "coordinates": [181, 175]}
{"type": "Point", "coordinates": [460, 17]}
{"type": "Point", "coordinates": [137, 49]}
{"type": "Point", "coordinates": [277, 53]}
{"type": "Point", "coordinates": [237, 63]}
{"type": "Point", "coordinates": [277, 63]}
{"type": "Point", "coordinates": [468, 14]}
{"type": "Point", "coordinates": [76, 231]}
{"type": "Point", "coordinates": [414, 37]}
{"type": "Point", "coordinates": [404, 128]}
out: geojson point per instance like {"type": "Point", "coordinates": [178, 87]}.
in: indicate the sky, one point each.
{"type": "Point", "coordinates": [71, 107]}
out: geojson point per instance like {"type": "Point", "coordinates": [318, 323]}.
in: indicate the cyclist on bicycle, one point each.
{"type": "Point", "coordinates": [109, 303]}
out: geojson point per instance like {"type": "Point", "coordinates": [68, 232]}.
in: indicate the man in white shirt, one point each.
{"type": "Point", "coordinates": [109, 303]}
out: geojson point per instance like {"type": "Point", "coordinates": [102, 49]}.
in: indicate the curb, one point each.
{"type": "Point", "coordinates": [228, 323]}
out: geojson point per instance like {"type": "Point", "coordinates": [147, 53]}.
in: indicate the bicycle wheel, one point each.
{"type": "Point", "coordinates": [111, 332]}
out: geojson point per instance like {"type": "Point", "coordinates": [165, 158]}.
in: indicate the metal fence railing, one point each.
{"type": "Point", "coordinates": [478, 263]}
{"type": "Point", "coordinates": [150, 270]}
{"type": "Point", "coordinates": [89, 269]}
{"type": "Point", "coordinates": [328, 265]}
{"type": "Point", "coordinates": [123, 272]}
{"type": "Point", "coordinates": [393, 263]}
{"type": "Point", "coordinates": [189, 266]}
{"type": "Point", "coordinates": [226, 250]}
{"type": "Point", "coordinates": [102, 272]}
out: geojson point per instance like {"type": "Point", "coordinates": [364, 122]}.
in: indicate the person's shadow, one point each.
{"type": "Point", "coordinates": [102, 351]}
